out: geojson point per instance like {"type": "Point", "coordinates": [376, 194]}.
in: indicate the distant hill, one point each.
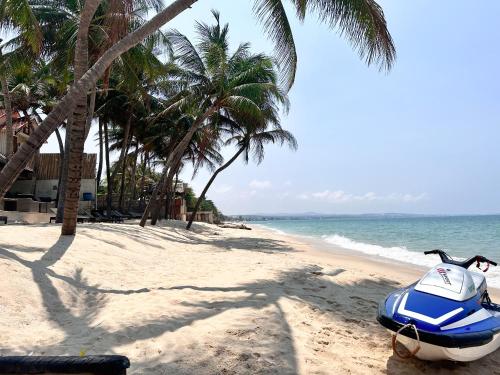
{"type": "Point", "coordinates": [315, 216]}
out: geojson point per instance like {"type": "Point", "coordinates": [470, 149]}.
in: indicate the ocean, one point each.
{"type": "Point", "coordinates": [405, 238]}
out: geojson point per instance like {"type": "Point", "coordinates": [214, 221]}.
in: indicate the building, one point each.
{"type": "Point", "coordinates": [35, 190]}
{"type": "Point", "coordinates": [23, 126]}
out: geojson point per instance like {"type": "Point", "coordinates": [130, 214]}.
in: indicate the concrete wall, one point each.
{"type": "Point", "coordinates": [26, 217]}
{"type": "Point", "coordinates": [48, 188]}
{"type": "Point", "coordinates": [23, 187]}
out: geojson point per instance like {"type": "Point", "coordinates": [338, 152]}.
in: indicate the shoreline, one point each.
{"type": "Point", "coordinates": [405, 272]}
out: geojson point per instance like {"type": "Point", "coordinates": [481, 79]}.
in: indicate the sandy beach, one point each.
{"type": "Point", "coordinates": [212, 301]}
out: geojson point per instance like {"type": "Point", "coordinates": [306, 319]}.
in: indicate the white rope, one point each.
{"type": "Point", "coordinates": [412, 353]}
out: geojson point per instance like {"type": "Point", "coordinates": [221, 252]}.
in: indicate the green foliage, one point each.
{"type": "Point", "coordinates": [241, 93]}
{"type": "Point", "coordinates": [190, 198]}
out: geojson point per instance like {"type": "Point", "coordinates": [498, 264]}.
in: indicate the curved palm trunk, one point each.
{"type": "Point", "coordinates": [28, 149]}
{"type": "Point", "coordinates": [78, 129]}
{"type": "Point", "coordinates": [209, 183]}
{"type": "Point", "coordinates": [174, 159]}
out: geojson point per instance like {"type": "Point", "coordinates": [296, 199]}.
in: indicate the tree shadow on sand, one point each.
{"type": "Point", "coordinates": [264, 345]}
{"type": "Point", "coordinates": [152, 237]}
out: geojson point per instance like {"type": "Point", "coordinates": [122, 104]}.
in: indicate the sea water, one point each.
{"type": "Point", "coordinates": [405, 238]}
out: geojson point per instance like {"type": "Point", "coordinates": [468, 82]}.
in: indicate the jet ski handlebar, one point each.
{"type": "Point", "coordinates": [445, 258]}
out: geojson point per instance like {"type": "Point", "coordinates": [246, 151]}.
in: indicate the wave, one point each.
{"type": "Point", "coordinates": [270, 228]}
{"type": "Point", "coordinates": [400, 254]}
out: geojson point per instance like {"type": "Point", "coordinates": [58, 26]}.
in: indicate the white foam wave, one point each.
{"type": "Point", "coordinates": [400, 254]}
{"type": "Point", "coordinates": [271, 229]}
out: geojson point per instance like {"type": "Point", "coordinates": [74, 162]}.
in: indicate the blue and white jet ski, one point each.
{"type": "Point", "coordinates": [446, 315]}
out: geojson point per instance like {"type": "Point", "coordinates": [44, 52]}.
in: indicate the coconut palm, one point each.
{"type": "Point", "coordinates": [249, 142]}
{"type": "Point", "coordinates": [361, 21]}
{"type": "Point", "coordinates": [250, 137]}
{"type": "Point", "coordinates": [119, 12]}
{"type": "Point", "coordinates": [15, 15]}
{"type": "Point", "coordinates": [217, 81]}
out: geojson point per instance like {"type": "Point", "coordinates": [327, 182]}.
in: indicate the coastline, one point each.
{"type": "Point", "coordinates": [207, 301]}
{"type": "Point", "coordinates": [404, 272]}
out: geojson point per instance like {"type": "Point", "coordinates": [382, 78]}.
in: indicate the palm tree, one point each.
{"type": "Point", "coordinates": [362, 21]}
{"type": "Point", "coordinates": [74, 152]}
{"type": "Point", "coordinates": [251, 137]}
{"type": "Point", "coordinates": [78, 129]}
{"type": "Point", "coordinates": [217, 81]}
{"type": "Point", "coordinates": [15, 14]}
{"type": "Point", "coordinates": [249, 142]}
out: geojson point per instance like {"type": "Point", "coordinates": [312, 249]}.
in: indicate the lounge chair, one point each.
{"type": "Point", "coordinates": [100, 218]}
{"type": "Point", "coordinates": [88, 365]}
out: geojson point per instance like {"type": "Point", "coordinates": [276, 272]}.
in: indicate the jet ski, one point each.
{"type": "Point", "coordinates": [446, 315]}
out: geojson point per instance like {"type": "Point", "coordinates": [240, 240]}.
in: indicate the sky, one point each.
{"type": "Point", "coordinates": [422, 138]}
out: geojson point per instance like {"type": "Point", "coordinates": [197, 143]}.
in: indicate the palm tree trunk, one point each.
{"type": "Point", "coordinates": [7, 102]}
{"type": "Point", "coordinates": [156, 210]}
{"type": "Point", "coordinates": [17, 163]}
{"type": "Point", "coordinates": [101, 158]}
{"type": "Point", "coordinates": [172, 207]}
{"type": "Point", "coordinates": [9, 139]}
{"type": "Point", "coordinates": [90, 115]}
{"type": "Point", "coordinates": [122, 182]}
{"type": "Point", "coordinates": [164, 197]}
{"type": "Point", "coordinates": [61, 160]}
{"type": "Point", "coordinates": [212, 179]}
{"type": "Point", "coordinates": [77, 130]}
{"type": "Point", "coordinates": [123, 150]}
{"type": "Point", "coordinates": [143, 178]}
{"type": "Point", "coordinates": [174, 158]}
{"type": "Point", "coordinates": [109, 196]}
{"type": "Point", "coordinates": [133, 177]}
{"type": "Point", "coordinates": [61, 188]}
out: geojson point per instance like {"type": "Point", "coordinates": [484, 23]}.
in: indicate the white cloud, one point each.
{"type": "Point", "coordinates": [223, 189]}
{"type": "Point", "coordinates": [287, 183]}
{"type": "Point", "coordinates": [339, 196]}
{"type": "Point", "coordinates": [284, 195]}
{"type": "Point", "coordinates": [248, 194]}
{"type": "Point", "coordinates": [257, 184]}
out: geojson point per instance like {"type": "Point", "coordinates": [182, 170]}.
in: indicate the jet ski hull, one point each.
{"type": "Point", "coordinates": [466, 346]}
{"type": "Point", "coordinates": [430, 352]}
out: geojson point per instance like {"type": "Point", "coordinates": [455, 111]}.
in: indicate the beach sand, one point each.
{"type": "Point", "coordinates": [213, 301]}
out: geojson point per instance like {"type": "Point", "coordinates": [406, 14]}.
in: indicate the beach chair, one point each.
{"type": "Point", "coordinates": [118, 216]}
{"type": "Point", "coordinates": [100, 218]}
{"type": "Point", "coordinates": [86, 365]}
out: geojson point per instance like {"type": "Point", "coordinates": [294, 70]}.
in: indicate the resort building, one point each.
{"type": "Point", "coordinates": [33, 196]}
{"type": "Point", "coordinates": [35, 190]}
{"type": "Point", "coordinates": [23, 125]}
